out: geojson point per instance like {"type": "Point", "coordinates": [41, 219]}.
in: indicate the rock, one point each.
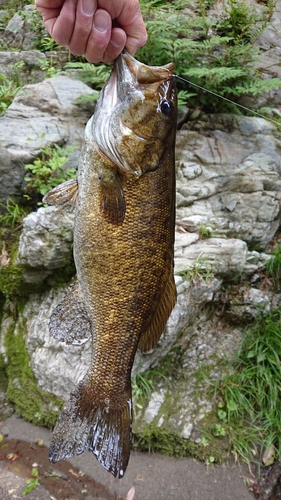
{"type": "Point", "coordinates": [46, 240]}
{"type": "Point", "coordinates": [255, 262]}
{"type": "Point", "coordinates": [24, 29]}
{"type": "Point", "coordinates": [246, 303]}
{"type": "Point", "coordinates": [22, 66]}
{"type": "Point", "coordinates": [155, 402]}
{"type": "Point", "coordinates": [215, 256]}
{"type": "Point", "coordinates": [192, 297]}
{"type": "Point", "coordinates": [228, 177]}
{"type": "Point", "coordinates": [41, 114]}
{"type": "Point", "coordinates": [58, 367]}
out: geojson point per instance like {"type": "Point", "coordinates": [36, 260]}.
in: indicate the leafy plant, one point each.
{"type": "Point", "coordinates": [142, 388]}
{"type": "Point", "coordinates": [46, 44]}
{"type": "Point", "coordinates": [32, 482]}
{"type": "Point", "coordinates": [94, 75]}
{"type": "Point", "coordinates": [219, 430]}
{"type": "Point", "coordinates": [48, 66]}
{"type": "Point", "coordinates": [215, 54]}
{"type": "Point", "coordinates": [200, 270]}
{"type": "Point", "coordinates": [8, 90]}
{"type": "Point", "coordinates": [251, 395]}
{"type": "Point", "coordinates": [205, 230]}
{"type": "Point", "coordinates": [47, 172]}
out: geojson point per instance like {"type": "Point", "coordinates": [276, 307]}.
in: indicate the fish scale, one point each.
{"type": "Point", "coordinates": [123, 251]}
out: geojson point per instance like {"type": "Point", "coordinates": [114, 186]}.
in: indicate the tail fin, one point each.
{"type": "Point", "coordinates": [97, 426]}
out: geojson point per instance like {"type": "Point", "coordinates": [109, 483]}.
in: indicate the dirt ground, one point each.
{"type": "Point", "coordinates": [62, 481]}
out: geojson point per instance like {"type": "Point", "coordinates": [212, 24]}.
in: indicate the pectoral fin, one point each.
{"type": "Point", "coordinates": [64, 195]}
{"type": "Point", "coordinates": [113, 202]}
{"type": "Point", "coordinates": [69, 321]}
{"type": "Point", "coordinates": [153, 333]}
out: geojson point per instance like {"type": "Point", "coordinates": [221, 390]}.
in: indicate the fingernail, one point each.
{"type": "Point", "coordinates": [88, 7]}
{"type": "Point", "coordinates": [101, 21]}
{"type": "Point", "coordinates": [117, 39]}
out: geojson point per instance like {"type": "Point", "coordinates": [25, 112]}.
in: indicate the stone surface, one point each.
{"type": "Point", "coordinates": [228, 177]}
{"type": "Point", "coordinates": [46, 239]}
{"type": "Point", "coordinates": [41, 114]}
{"type": "Point", "coordinates": [24, 29]}
{"type": "Point", "coordinates": [23, 66]}
{"type": "Point", "coordinates": [223, 257]}
{"type": "Point", "coordinates": [58, 367]}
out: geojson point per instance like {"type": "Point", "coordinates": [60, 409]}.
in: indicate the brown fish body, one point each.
{"type": "Point", "coordinates": [123, 248]}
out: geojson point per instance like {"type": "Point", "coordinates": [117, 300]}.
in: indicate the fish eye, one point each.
{"type": "Point", "coordinates": [166, 107]}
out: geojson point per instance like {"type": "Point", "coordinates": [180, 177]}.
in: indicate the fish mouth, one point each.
{"type": "Point", "coordinates": [129, 73]}
{"type": "Point", "coordinates": [133, 72]}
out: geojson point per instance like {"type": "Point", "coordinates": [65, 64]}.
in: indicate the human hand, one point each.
{"type": "Point", "coordinates": [98, 29]}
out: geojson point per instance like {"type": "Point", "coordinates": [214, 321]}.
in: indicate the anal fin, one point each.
{"type": "Point", "coordinates": [154, 331]}
{"type": "Point", "coordinates": [69, 321]}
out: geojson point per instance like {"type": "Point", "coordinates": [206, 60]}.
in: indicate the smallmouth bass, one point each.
{"type": "Point", "coordinates": [124, 199]}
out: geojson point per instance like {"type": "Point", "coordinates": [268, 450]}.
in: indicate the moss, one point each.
{"type": "Point", "coordinates": [3, 374]}
{"type": "Point", "coordinates": [31, 402]}
{"type": "Point", "coordinates": [12, 282]}
{"type": "Point", "coordinates": [62, 275]}
{"type": "Point", "coordinates": [160, 440]}
{"type": "Point", "coordinates": [11, 275]}
{"type": "Point", "coordinates": [171, 364]}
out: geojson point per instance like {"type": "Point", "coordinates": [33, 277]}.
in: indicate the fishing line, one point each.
{"type": "Point", "coordinates": [228, 100]}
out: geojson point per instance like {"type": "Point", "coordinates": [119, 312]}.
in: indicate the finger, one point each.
{"type": "Point", "coordinates": [85, 14]}
{"type": "Point", "coordinates": [99, 37]}
{"type": "Point", "coordinates": [48, 4]}
{"type": "Point", "coordinates": [63, 26]}
{"type": "Point", "coordinates": [49, 9]}
{"type": "Point", "coordinates": [136, 34]}
{"type": "Point", "coordinates": [116, 45]}
{"type": "Point", "coordinates": [128, 17]}
{"type": "Point", "coordinates": [135, 43]}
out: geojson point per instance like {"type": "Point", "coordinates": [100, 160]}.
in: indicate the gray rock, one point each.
{"type": "Point", "coordinates": [228, 177]}
{"type": "Point", "coordinates": [24, 29]}
{"type": "Point", "coordinates": [192, 297]}
{"type": "Point", "coordinates": [23, 67]}
{"type": "Point", "coordinates": [218, 256]}
{"type": "Point", "coordinates": [58, 367]}
{"type": "Point", "coordinates": [46, 240]}
{"type": "Point", "coordinates": [41, 114]}
{"type": "Point", "coordinates": [15, 24]}
{"type": "Point", "coordinates": [155, 402]}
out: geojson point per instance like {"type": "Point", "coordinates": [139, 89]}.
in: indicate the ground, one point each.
{"type": "Point", "coordinates": [155, 477]}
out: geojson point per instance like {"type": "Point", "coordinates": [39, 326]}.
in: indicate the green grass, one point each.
{"type": "Point", "coordinates": [273, 266]}
{"type": "Point", "coordinates": [251, 396]}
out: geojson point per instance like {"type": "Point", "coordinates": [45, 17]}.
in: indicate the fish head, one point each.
{"type": "Point", "coordinates": [135, 118]}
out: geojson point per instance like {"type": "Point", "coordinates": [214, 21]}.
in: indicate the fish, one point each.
{"type": "Point", "coordinates": [124, 199]}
